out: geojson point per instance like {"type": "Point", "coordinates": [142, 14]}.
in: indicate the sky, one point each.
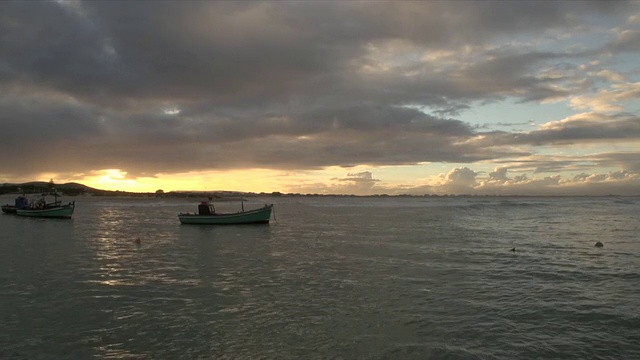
{"type": "Point", "coordinates": [323, 97]}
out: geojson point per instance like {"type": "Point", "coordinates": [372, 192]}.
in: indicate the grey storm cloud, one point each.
{"type": "Point", "coordinates": [588, 127]}
{"type": "Point", "coordinates": [154, 87]}
{"type": "Point", "coordinates": [627, 41]}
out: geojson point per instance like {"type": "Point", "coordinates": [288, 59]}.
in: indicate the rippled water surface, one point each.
{"type": "Point", "coordinates": [375, 278]}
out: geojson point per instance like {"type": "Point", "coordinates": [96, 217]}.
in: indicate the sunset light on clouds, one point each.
{"type": "Point", "coordinates": [479, 97]}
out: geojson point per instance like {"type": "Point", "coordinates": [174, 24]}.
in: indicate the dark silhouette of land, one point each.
{"type": "Point", "coordinates": [76, 189]}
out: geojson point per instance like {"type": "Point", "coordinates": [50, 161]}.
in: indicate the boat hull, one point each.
{"type": "Point", "coordinates": [62, 211]}
{"type": "Point", "coordinates": [257, 216]}
{"type": "Point", "coordinates": [9, 209]}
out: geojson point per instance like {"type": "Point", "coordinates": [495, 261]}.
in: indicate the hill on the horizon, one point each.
{"type": "Point", "coordinates": [71, 188]}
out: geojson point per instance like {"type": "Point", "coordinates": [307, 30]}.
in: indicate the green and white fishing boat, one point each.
{"type": "Point", "coordinates": [42, 209]}
{"type": "Point", "coordinates": [207, 215]}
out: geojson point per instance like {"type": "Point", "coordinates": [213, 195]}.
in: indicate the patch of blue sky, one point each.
{"type": "Point", "coordinates": [585, 149]}
{"type": "Point", "coordinates": [627, 64]}
{"type": "Point", "coordinates": [510, 115]}
{"type": "Point", "coordinates": [631, 106]}
{"type": "Point", "coordinates": [583, 157]}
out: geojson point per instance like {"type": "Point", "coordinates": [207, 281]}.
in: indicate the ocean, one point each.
{"type": "Point", "coordinates": [329, 278]}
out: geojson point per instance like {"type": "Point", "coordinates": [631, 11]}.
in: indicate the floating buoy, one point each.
{"type": "Point", "coordinates": [514, 250]}
{"type": "Point", "coordinates": [599, 244]}
{"type": "Point", "coordinates": [137, 241]}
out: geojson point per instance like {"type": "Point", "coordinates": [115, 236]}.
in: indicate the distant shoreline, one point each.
{"type": "Point", "coordinates": [76, 189]}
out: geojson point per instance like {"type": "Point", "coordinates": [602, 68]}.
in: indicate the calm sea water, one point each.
{"type": "Point", "coordinates": [351, 278]}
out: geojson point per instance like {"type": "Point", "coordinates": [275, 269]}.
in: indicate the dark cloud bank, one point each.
{"type": "Point", "coordinates": [168, 87]}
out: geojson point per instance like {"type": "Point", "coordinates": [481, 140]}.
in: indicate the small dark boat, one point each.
{"type": "Point", "coordinates": [207, 215]}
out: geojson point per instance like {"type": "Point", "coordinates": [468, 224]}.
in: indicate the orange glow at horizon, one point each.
{"type": "Point", "coordinates": [252, 180]}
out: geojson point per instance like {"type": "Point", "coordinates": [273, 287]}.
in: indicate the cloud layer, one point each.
{"type": "Point", "coordinates": [171, 87]}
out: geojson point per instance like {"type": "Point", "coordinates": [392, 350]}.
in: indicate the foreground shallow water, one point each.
{"type": "Point", "coordinates": [332, 278]}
